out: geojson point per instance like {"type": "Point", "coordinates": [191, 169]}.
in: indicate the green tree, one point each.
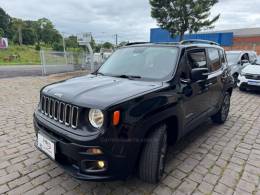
{"type": "Point", "coordinates": [108, 45]}
{"type": "Point", "coordinates": [71, 42]}
{"type": "Point", "coordinates": [45, 32]}
{"type": "Point", "coordinates": [98, 48]}
{"type": "Point", "coordinates": [5, 21]}
{"type": "Point", "coordinates": [57, 46]}
{"type": "Point", "coordinates": [180, 16]}
{"type": "Point", "coordinates": [1, 32]}
{"type": "Point", "coordinates": [18, 25]}
{"type": "Point", "coordinates": [29, 37]}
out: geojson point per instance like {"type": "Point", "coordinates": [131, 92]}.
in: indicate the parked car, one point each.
{"type": "Point", "coordinates": [121, 118]}
{"type": "Point", "coordinates": [249, 78]}
{"type": "Point", "coordinates": [258, 60]}
{"type": "Point", "coordinates": [239, 59]}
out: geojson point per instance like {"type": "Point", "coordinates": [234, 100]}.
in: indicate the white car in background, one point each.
{"type": "Point", "coordinates": [237, 60]}
{"type": "Point", "coordinates": [249, 78]}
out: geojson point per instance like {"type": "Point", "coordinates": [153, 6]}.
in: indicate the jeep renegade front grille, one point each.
{"type": "Point", "coordinates": [59, 111]}
{"type": "Point", "coordinates": [252, 76]}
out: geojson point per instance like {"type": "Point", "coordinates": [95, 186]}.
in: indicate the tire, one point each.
{"type": "Point", "coordinates": [152, 160]}
{"type": "Point", "coordinates": [221, 116]}
{"type": "Point", "coordinates": [235, 76]}
{"type": "Point", "coordinates": [242, 88]}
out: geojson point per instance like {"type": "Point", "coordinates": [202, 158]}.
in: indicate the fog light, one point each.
{"type": "Point", "coordinates": [94, 151]}
{"type": "Point", "coordinates": [101, 164]}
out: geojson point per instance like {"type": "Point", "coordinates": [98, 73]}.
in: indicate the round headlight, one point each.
{"type": "Point", "coordinates": [96, 118]}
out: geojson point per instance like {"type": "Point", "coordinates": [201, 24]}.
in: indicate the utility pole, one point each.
{"type": "Point", "coordinates": [116, 36]}
{"type": "Point", "coordinates": [64, 48]}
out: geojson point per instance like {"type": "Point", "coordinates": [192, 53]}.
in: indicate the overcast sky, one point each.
{"type": "Point", "coordinates": [130, 19]}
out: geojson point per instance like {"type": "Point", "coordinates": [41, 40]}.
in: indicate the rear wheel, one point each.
{"type": "Point", "coordinates": [152, 161]}
{"type": "Point", "coordinates": [221, 116]}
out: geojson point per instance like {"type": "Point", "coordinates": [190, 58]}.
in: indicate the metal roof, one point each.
{"type": "Point", "coordinates": [240, 32]}
{"type": "Point", "coordinates": [162, 35]}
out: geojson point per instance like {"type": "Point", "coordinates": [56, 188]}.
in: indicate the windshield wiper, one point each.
{"type": "Point", "coordinates": [129, 76]}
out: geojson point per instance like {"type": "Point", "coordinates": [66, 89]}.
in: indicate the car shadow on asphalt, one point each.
{"type": "Point", "coordinates": [253, 92]}
{"type": "Point", "coordinates": [198, 136]}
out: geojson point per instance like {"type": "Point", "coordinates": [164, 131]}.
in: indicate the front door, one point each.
{"type": "Point", "coordinates": [196, 95]}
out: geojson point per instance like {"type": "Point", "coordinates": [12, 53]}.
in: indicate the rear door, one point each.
{"type": "Point", "coordinates": [217, 61]}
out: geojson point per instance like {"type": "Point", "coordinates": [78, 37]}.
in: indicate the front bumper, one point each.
{"type": "Point", "coordinates": [243, 83]}
{"type": "Point", "coordinates": [72, 156]}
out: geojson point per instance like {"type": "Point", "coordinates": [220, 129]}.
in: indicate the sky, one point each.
{"type": "Point", "coordinates": [130, 19]}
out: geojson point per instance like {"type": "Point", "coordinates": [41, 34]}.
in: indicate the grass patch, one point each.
{"type": "Point", "coordinates": [19, 55]}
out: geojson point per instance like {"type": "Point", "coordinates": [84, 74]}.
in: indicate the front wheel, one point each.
{"type": "Point", "coordinates": [221, 116]}
{"type": "Point", "coordinates": [235, 76]}
{"type": "Point", "coordinates": [242, 88]}
{"type": "Point", "coordinates": [152, 160]}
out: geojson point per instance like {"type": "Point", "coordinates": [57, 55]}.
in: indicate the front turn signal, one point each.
{"type": "Point", "coordinates": [116, 118]}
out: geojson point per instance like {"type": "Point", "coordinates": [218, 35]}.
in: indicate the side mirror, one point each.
{"type": "Point", "coordinates": [198, 74]}
{"type": "Point", "coordinates": [243, 62]}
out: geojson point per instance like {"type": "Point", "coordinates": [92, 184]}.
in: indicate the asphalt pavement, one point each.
{"type": "Point", "coordinates": [20, 70]}
{"type": "Point", "coordinates": [33, 70]}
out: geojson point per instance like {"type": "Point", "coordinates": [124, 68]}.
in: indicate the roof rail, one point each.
{"type": "Point", "coordinates": [136, 43]}
{"type": "Point", "coordinates": [191, 41]}
{"type": "Point", "coordinates": [168, 43]}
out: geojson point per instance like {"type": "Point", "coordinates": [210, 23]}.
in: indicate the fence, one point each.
{"type": "Point", "coordinates": [59, 62]}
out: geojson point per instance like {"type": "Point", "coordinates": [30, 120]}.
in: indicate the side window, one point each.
{"type": "Point", "coordinates": [197, 59]}
{"type": "Point", "coordinates": [253, 58]}
{"type": "Point", "coordinates": [245, 57]}
{"type": "Point", "coordinates": [214, 59]}
{"type": "Point", "coordinates": [222, 57]}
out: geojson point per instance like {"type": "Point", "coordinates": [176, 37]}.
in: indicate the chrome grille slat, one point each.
{"type": "Point", "coordinates": [74, 116]}
{"type": "Point", "coordinates": [59, 111]}
{"type": "Point", "coordinates": [67, 114]}
{"type": "Point", "coordinates": [50, 108]}
{"type": "Point", "coordinates": [42, 104]}
{"type": "Point", "coordinates": [46, 105]}
{"type": "Point", "coordinates": [55, 110]}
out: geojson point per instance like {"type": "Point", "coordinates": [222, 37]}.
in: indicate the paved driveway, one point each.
{"type": "Point", "coordinates": [213, 159]}
{"type": "Point", "coordinates": [33, 70]}
{"type": "Point", "coordinates": [20, 70]}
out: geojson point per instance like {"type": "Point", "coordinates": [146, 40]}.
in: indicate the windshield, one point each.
{"type": "Point", "coordinates": [233, 58]}
{"type": "Point", "coordinates": [154, 63]}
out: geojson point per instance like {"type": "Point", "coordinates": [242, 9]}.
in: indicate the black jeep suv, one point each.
{"type": "Point", "coordinates": [121, 118]}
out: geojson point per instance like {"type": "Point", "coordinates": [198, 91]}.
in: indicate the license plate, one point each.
{"type": "Point", "coordinates": [46, 145]}
{"type": "Point", "coordinates": [256, 83]}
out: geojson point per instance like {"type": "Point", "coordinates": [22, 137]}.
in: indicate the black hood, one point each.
{"type": "Point", "coordinates": [98, 91]}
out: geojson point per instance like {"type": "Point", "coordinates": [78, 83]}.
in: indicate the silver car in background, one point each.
{"type": "Point", "coordinates": [237, 60]}
{"type": "Point", "coordinates": [249, 78]}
